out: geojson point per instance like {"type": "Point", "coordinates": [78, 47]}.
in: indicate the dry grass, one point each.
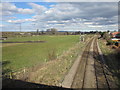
{"type": "Point", "coordinates": [54, 71]}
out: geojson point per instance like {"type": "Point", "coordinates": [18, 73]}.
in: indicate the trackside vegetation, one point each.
{"type": "Point", "coordinates": [112, 57]}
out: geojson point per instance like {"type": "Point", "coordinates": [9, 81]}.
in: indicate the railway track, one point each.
{"type": "Point", "coordinates": [95, 70]}
{"type": "Point", "coordinates": [101, 77]}
{"type": "Point", "coordinates": [79, 77]}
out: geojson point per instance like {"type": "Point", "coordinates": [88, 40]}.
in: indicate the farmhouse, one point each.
{"type": "Point", "coordinates": [116, 37]}
{"type": "Point", "coordinates": [3, 38]}
{"type": "Point", "coordinates": [115, 34]}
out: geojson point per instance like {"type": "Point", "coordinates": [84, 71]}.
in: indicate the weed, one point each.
{"type": "Point", "coordinates": [110, 42]}
{"type": "Point", "coordinates": [52, 54]}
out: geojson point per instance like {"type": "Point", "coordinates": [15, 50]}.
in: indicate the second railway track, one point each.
{"type": "Point", "coordinates": [101, 77]}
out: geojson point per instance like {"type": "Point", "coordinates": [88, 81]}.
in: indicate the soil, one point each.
{"type": "Point", "coordinates": [25, 42]}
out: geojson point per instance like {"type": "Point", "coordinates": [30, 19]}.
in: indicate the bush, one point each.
{"type": "Point", "coordinates": [117, 57]}
{"type": "Point", "coordinates": [106, 36]}
{"type": "Point", "coordinates": [52, 54]}
{"type": "Point", "coordinates": [110, 42]}
{"type": "Point", "coordinates": [102, 33]}
{"type": "Point", "coordinates": [117, 53]}
{"type": "Point", "coordinates": [116, 43]}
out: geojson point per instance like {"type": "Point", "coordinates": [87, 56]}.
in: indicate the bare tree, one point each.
{"type": "Point", "coordinates": [52, 31]}
{"type": "Point", "coordinates": [37, 31]}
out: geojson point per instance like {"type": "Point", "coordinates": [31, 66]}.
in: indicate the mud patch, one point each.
{"type": "Point", "coordinates": [25, 42]}
{"type": "Point", "coordinates": [9, 44]}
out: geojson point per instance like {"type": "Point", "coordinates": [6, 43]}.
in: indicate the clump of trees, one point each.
{"type": "Point", "coordinates": [107, 37]}
{"type": "Point", "coordinates": [51, 31]}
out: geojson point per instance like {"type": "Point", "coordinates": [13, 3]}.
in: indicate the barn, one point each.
{"type": "Point", "coordinates": [115, 34]}
{"type": "Point", "coordinates": [116, 38]}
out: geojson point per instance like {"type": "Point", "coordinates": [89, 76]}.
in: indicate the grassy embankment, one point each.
{"type": "Point", "coordinates": [112, 57]}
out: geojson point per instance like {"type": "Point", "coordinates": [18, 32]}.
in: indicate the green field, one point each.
{"type": "Point", "coordinates": [17, 56]}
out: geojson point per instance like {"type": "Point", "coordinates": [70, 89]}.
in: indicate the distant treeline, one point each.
{"type": "Point", "coordinates": [51, 31]}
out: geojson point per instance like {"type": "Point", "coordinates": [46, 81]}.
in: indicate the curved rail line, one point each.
{"type": "Point", "coordinates": [99, 72]}
{"type": "Point", "coordinates": [80, 74]}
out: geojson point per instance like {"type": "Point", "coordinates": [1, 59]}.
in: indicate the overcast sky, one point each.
{"type": "Point", "coordinates": [64, 16]}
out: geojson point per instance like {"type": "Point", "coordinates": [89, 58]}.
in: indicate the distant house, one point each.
{"type": "Point", "coordinates": [22, 33]}
{"type": "Point", "coordinates": [115, 34]}
{"type": "Point", "coordinates": [3, 38]}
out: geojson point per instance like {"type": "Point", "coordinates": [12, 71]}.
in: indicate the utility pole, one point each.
{"type": "Point", "coordinates": [80, 37]}
{"type": "Point", "coordinates": [119, 16]}
{"type": "Point", "coordinates": [20, 27]}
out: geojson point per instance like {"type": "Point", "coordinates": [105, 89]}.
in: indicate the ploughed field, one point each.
{"type": "Point", "coordinates": [16, 56]}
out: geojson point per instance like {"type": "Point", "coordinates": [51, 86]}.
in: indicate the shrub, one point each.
{"type": "Point", "coordinates": [116, 43]}
{"type": "Point", "coordinates": [102, 33]}
{"type": "Point", "coordinates": [117, 52]}
{"type": "Point", "coordinates": [52, 54]}
{"type": "Point", "coordinates": [106, 36]}
{"type": "Point", "coordinates": [110, 42]}
{"type": "Point", "coordinates": [117, 57]}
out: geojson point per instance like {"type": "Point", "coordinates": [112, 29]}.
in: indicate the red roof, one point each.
{"type": "Point", "coordinates": [114, 33]}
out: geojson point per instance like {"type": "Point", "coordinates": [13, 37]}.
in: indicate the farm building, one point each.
{"type": "Point", "coordinates": [115, 34]}
{"type": "Point", "coordinates": [3, 38]}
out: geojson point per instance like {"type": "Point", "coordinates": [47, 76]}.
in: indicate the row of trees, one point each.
{"type": "Point", "coordinates": [50, 31]}
{"type": "Point", "coordinates": [54, 31]}
{"type": "Point", "coordinates": [107, 36]}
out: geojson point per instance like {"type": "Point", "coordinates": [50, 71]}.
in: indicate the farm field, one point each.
{"type": "Point", "coordinates": [42, 61]}
{"type": "Point", "coordinates": [19, 55]}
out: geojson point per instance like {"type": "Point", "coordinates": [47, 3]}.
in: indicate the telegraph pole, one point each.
{"type": "Point", "coordinates": [20, 27]}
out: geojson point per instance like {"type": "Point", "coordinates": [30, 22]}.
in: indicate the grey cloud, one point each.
{"type": "Point", "coordinates": [74, 14]}
{"type": "Point", "coordinates": [10, 9]}
{"type": "Point", "coordinates": [67, 11]}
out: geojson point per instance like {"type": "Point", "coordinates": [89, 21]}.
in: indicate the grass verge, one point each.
{"type": "Point", "coordinates": [112, 60]}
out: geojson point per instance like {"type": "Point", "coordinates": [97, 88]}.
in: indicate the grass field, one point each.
{"type": "Point", "coordinates": [17, 56]}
